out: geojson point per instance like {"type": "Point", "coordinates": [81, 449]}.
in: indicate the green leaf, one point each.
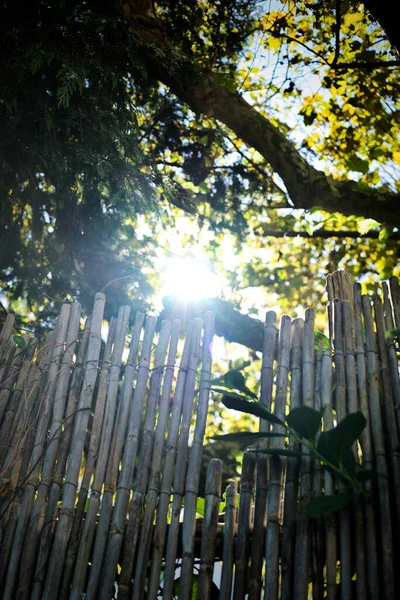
{"type": "Point", "coordinates": [234, 379]}
{"type": "Point", "coordinates": [281, 452]}
{"type": "Point", "coordinates": [366, 475]}
{"type": "Point", "coordinates": [393, 333]}
{"type": "Point", "coordinates": [318, 337]}
{"type": "Point", "coordinates": [335, 445]}
{"type": "Point", "coordinates": [355, 163]}
{"type": "Point", "coordinates": [19, 340]}
{"type": "Point", "coordinates": [200, 506]}
{"type": "Point", "coordinates": [305, 421]}
{"type": "Point", "coordinates": [247, 436]}
{"type": "Point", "coordinates": [323, 505]}
{"type": "Point", "coordinates": [237, 402]}
{"type": "Point", "coordinates": [366, 225]}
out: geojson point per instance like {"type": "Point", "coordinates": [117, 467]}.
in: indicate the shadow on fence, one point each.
{"type": "Point", "coordinates": [100, 463]}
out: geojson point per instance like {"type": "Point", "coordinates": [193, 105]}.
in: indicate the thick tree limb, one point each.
{"type": "Point", "coordinates": [229, 323]}
{"type": "Point", "coordinates": [205, 94]}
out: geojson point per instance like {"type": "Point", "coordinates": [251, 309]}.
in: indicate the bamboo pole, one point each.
{"type": "Point", "coordinates": [392, 358]}
{"type": "Point", "coordinates": [260, 508]}
{"type": "Point", "coordinates": [245, 524]}
{"type": "Point", "coordinates": [38, 451]}
{"type": "Point", "coordinates": [302, 547]}
{"type": "Point", "coordinates": [196, 453]}
{"type": "Point", "coordinates": [317, 545]}
{"type": "Point", "coordinates": [276, 466]}
{"type": "Point", "coordinates": [366, 448]}
{"type": "Point", "coordinates": [59, 471]}
{"type": "Point", "coordinates": [144, 467]}
{"type": "Point", "coordinates": [353, 405]}
{"type": "Point", "coordinates": [180, 466]}
{"type": "Point", "coordinates": [393, 448]}
{"type": "Point", "coordinates": [123, 418]}
{"type": "Point", "coordinates": [329, 484]}
{"type": "Point", "coordinates": [189, 359]}
{"type": "Point", "coordinates": [395, 297]}
{"type": "Point", "coordinates": [6, 345]}
{"type": "Point", "coordinates": [64, 525]}
{"type": "Point", "coordinates": [124, 485]}
{"type": "Point", "coordinates": [341, 411]}
{"type": "Point", "coordinates": [380, 457]}
{"type": "Point", "coordinates": [230, 531]}
{"type": "Point", "coordinates": [37, 516]}
{"type": "Point", "coordinates": [292, 467]}
{"type": "Point", "coordinates": [155, 477]}
{"type": "Point", "coordinates": [209, 531]}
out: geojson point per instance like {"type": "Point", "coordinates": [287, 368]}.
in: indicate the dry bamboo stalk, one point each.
{"type": "Point", "coordinates": [358, 516]}
{"type": "Point", "coordinates": [209, 530]}
{"type": "Point", "coordinates": [317, 546]}
{"type": "Point", "coordinates": [38, 450]}
{"type": "Point", "coordinates": [155, 477]}
{"type": "Point", "coordinates": [63, 529]}
{"type": "Point", "coordinates": [192, 341]}
{"type": "Point", "coordinates": [11, 430]}
{"type": "Point", "coordinates": [260, 508]}
{"type": "Point", "coordinates": [341, 411]}
{"type": "Point", "coordinates": [392, 358]}
{"type": "Point", "coordinates": [37, 516]}
{"type": "Point", "coordinates": [21, 361]}
{"type": "Point", "coordinates": [11, 505]}
{"type": "Point", "coordinates": [196, 453]}
{"type": "Point", "coordinates": [5, 339]}
{"type": "Point", "coordinates": [107, 416]}
{"type": "Point", "coordinates": [366, 448]}
{"type": "Point", "coordinates": [330, 520]}
{"type": "Point", "coordinates": [292, 466]}
{"type": "Point", "coordinates": [95, 431]}
{"type": "Point", "coordinates": [393, 450]}
{"type": "Point", "coordinates": [124, 485]}
{"type": "Point", "coordinates": [50, 514]}
{"type": "Point", "coordinates": [302, 547]}
{"type": "Point", "coordinates": [276, 466]}
{"type": "Point", "coordinates": [244, 525]}
{"type": "Point", "coordinates": [144, 467]}
{"type": "Point", "coordinates": [123, 418]}
{"type": "Point", "coordinates": [395, 296]}
{"type": "Point", "coordinates": [230, 531]}
{"type": "Point", "coordinates": [379, 448]}
{"type": "Point", "coordinates": [180, 466]}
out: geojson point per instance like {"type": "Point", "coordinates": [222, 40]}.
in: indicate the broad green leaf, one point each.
{"type": "Point", "coordinates": [335, 445]}
{"type": "Point", "coordinates": [305, 421]}
{"type": "Point", "coordinates": [281, 452]}
{"type": "Point", "coordinates": [366, 475]}
{"type": "Point", "coordinates": [323, 505]}
{"type": "Point", "coordinates": [349, 429]}
{"type": "Point", "coordinates": [236, 402]}
{"type": "Point", "coordinates": [318, 337]}
{"type": "Point", "coordinates": [247, 436]}
{"type": "Point", "coordinates": [19, 340]}
{"type": "Point", "coordinates": [234, 379]}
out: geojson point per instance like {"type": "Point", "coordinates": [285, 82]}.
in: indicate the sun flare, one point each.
{"type": "Point", "coordinates": [187, 279]}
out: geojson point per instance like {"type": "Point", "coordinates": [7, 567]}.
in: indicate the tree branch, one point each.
{"type": "Point", "coordinates": [205, 94]}
{"type": "Point", "coordinates": [324, 234]}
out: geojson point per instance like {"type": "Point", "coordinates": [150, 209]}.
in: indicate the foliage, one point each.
{"type": "Point", "coordinates": [98, 159]}
{"type": "Point", "coordinates": [332, 449]}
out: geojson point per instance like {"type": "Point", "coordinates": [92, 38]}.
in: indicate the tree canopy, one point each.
{"type": "Point", "coordinates": [273, 125]}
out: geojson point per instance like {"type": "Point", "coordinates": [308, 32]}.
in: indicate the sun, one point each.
{"type": "Point", "coordinates": [187, 278]}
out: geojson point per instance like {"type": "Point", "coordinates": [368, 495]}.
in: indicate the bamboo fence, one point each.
{"type": "Point", "coordinates": [101, 449]}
